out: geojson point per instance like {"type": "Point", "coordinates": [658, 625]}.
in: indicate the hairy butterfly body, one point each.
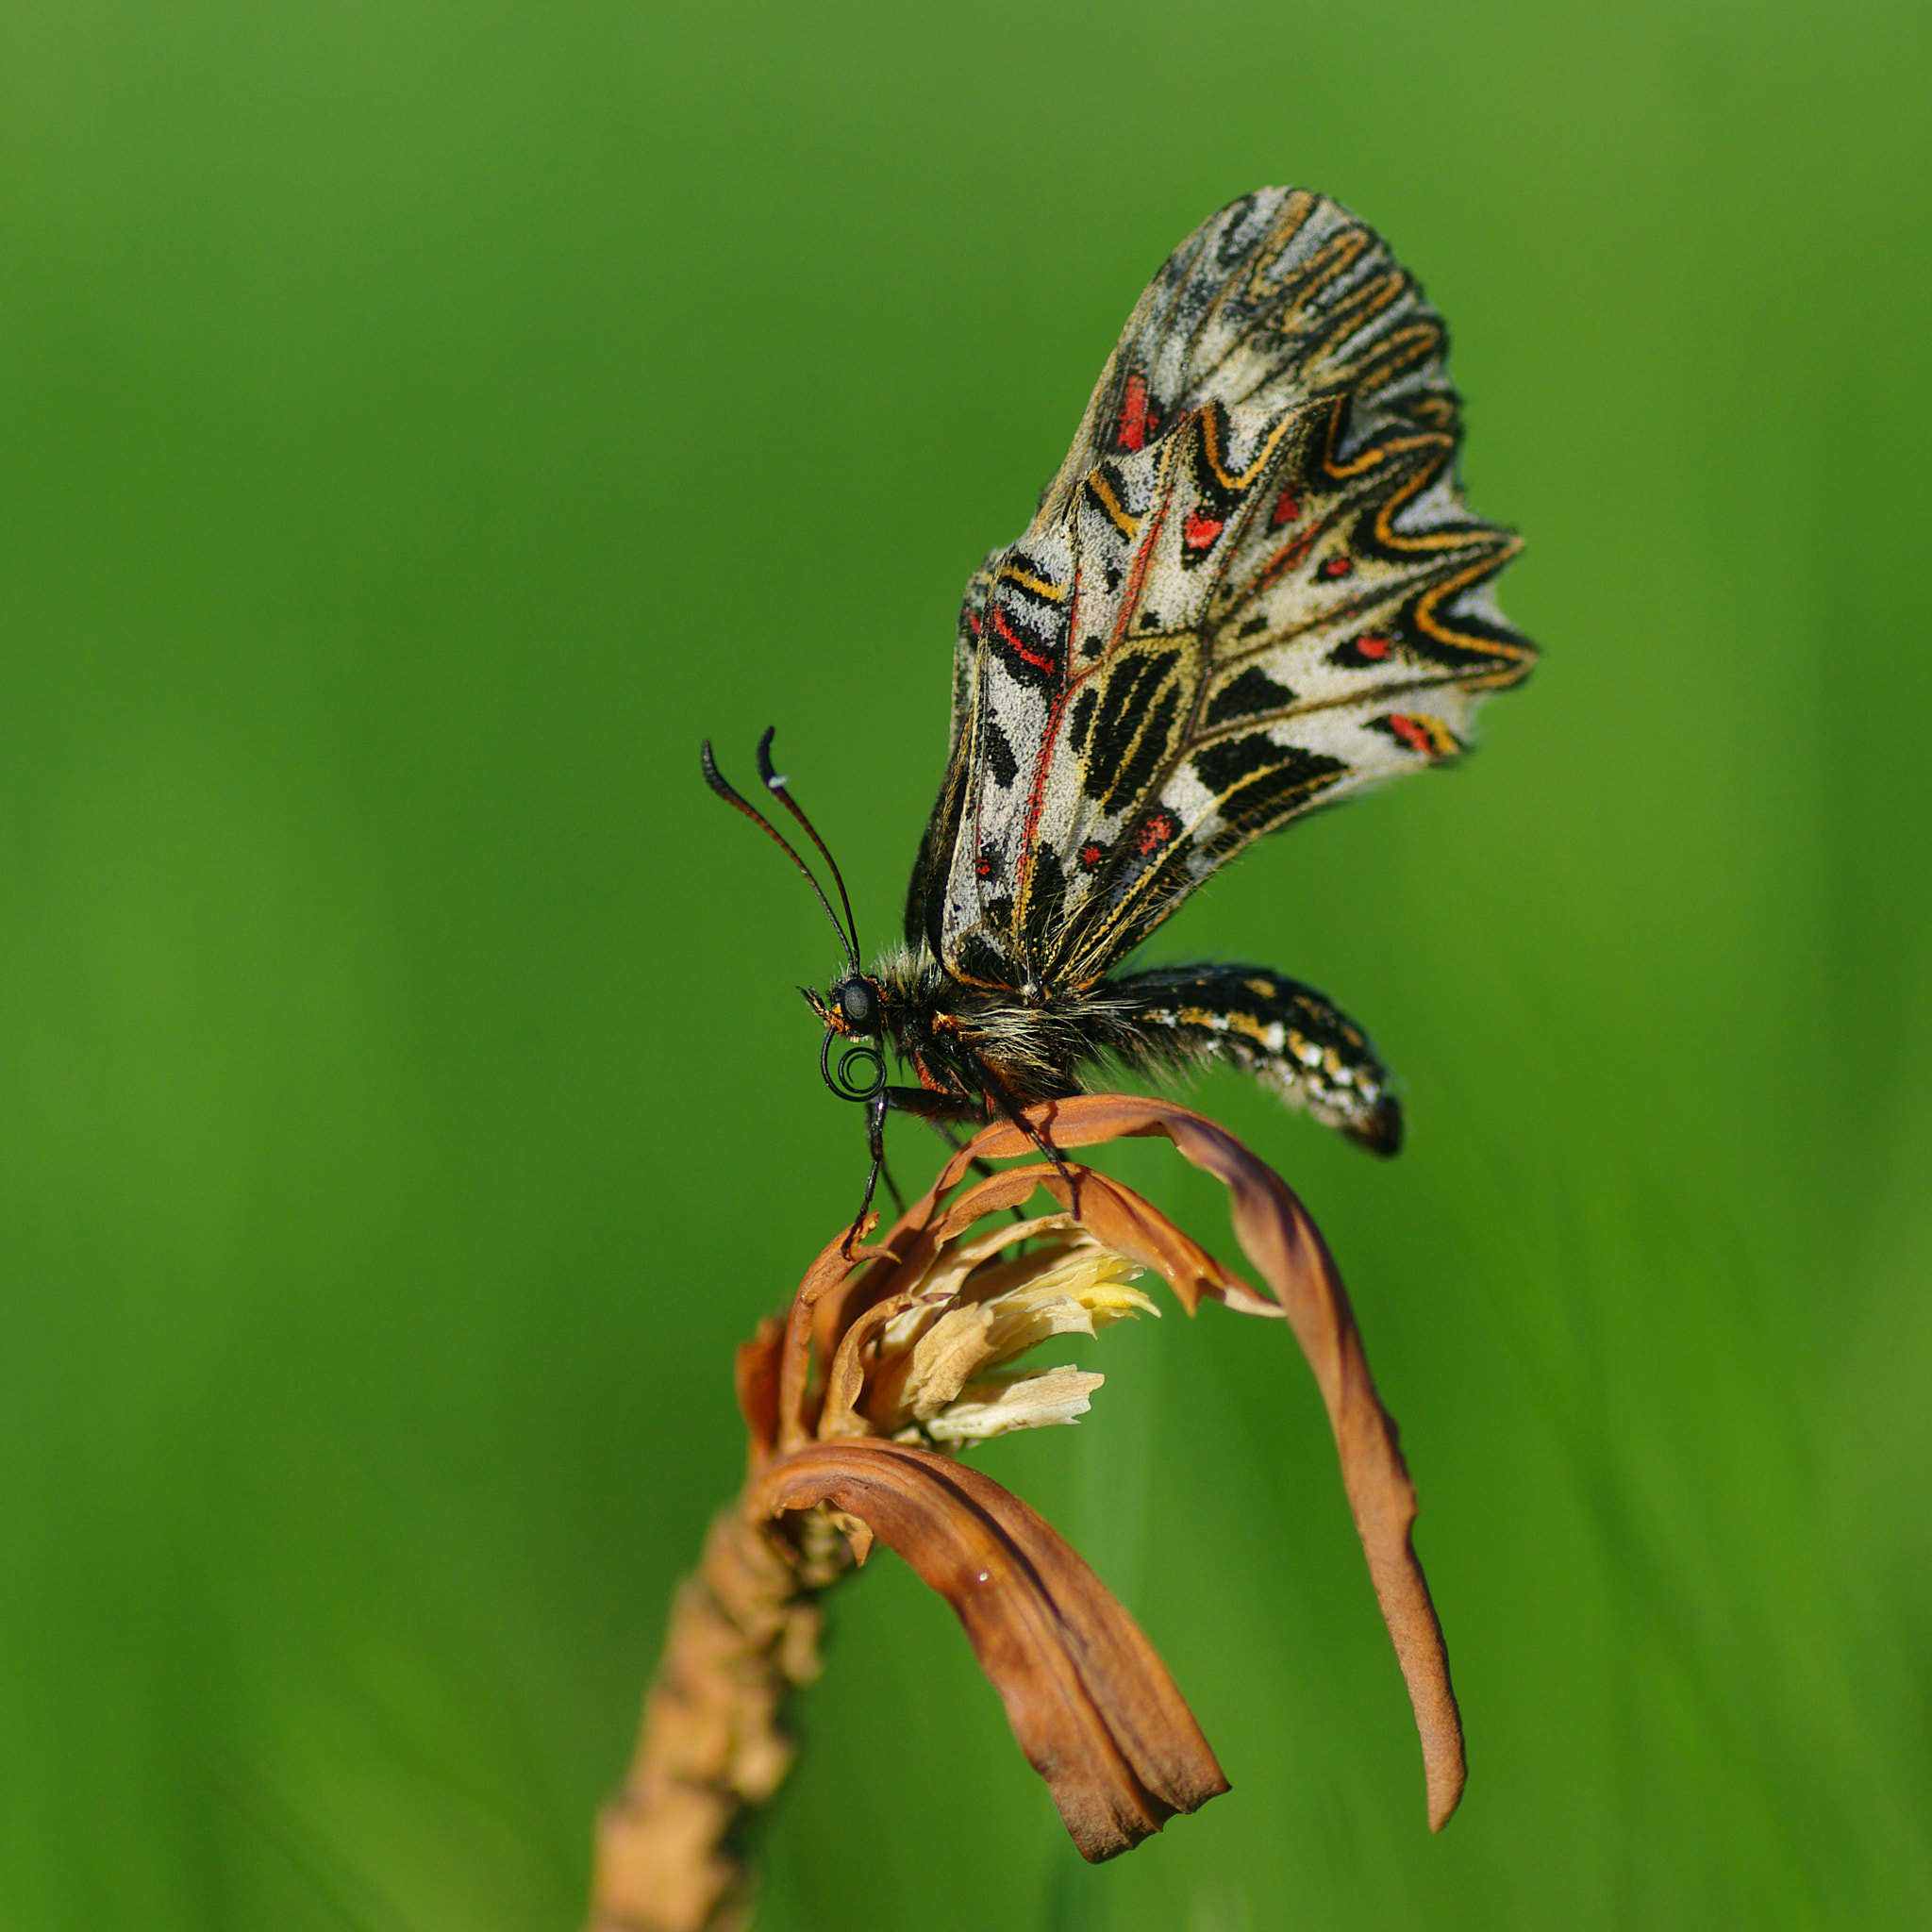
{"type": "Point", "coordinates": [1252, 589]}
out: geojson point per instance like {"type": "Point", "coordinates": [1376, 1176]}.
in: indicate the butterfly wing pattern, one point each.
{"type": "Point", "coordinates": [1252, 589]}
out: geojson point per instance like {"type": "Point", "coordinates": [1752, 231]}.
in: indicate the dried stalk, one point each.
{"type": "Point", "coordinates": [744, 1634]}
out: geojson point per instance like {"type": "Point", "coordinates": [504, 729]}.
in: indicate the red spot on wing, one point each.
{"type": "Point", "coordinates": [1132, 433]}
{"type": "Point", "coordinates": [1155, 833]}
{"type": "Point", "coordinates": [1200, 530]}
{"type": "Point", "coordinates": [1091, 856]}
{"type": "Point", "coordinates": [1337, 566]}
{"type": "Point", "coordinates": [1372, 647]}
{"type": "Point", "coordinates": [1286, 510]}
{"type": "Point", "coordinates": [1289, 556]}
{"type": "Point", "coordinates": [1413, 734]}
{"type": "Point", "coordinates": [973, 623]}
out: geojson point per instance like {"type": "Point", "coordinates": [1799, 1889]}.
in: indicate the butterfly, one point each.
{"type": "Point", "coordinates": [1252, 589]}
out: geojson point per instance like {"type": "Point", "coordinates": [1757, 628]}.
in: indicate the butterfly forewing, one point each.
{"type": "Point", "coordinates": [1252, 588]}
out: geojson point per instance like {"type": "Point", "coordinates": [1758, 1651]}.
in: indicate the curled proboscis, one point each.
{"type": "Point", "coordinates": [860, 1073]}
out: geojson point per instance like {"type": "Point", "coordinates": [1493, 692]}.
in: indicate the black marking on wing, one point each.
{"type": "Point", "coordinates": [1082, 718]}
{"type": "Point", "coordinates": [1000, 760]}
{"type": "Point", "coordinates": [1247, 696]}
{"type": "Point", "coordinates": [981, 963]}
{"type": "Point", "coordinates": [1139, 708]}
{"type": "Point", "coordinates": [1028, 652]}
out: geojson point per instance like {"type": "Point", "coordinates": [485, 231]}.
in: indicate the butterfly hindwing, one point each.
{"type": "Point", "coordinates": [1253, 588]}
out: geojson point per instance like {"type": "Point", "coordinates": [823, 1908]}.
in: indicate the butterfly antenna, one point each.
{"type": "Point", "coordinates": [775, 784]}
{"type": "Point", "coordinates": [716, 780]}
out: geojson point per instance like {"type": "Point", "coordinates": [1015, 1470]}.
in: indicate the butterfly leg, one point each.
{"type": "Point", "coordinates": [999, 1100]}
{"type": "Point", "coordinates": [875, 1146]}
{"type": "Point", "coordinates": [938, 1109]}
{"type": "Point", "coordinates": [984, 1169]}
{"type": "Point", "coordinates": [1288, 1035]}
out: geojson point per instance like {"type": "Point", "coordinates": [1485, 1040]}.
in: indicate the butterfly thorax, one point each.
{"type": "Point", "coordinates": [971, 1044]}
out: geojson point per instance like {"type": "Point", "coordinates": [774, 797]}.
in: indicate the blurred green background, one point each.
{"type": "Point", "coordinates": [421, 422]}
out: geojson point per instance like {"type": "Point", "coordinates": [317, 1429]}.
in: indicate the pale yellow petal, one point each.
{"type": "Point", "coordinates": [999, 1403]}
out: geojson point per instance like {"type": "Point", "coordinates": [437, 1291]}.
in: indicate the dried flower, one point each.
{"type": "Point", "coordinates": [932, 1352]}
{"type": "Point", "coordinates": [889, 1361]}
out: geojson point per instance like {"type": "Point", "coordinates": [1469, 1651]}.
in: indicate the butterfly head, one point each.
{"type": "Point", "coordinates": [853, 1007]}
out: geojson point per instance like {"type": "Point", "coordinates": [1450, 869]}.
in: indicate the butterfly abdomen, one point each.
{"type": "Point", "coordinates": [1286, 1035]}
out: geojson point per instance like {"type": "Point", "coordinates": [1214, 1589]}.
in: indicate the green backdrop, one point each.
{"type": "Point", "coordinates": [421, 422]}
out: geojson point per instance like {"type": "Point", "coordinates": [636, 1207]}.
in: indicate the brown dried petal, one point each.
{"type": "Point", "coordinates": [1089, 1700]}
{"type": "Point", "coordinates": [1279, 1238]}
{"type": "Point", "coordinates": [757, 1376]}
{"type": "Point", "coordinates": [1123, 1220]}
{"type": "Point", "coordinates": [825, 1281]}
{"type": "Point", "coordinates": [845, 1375]}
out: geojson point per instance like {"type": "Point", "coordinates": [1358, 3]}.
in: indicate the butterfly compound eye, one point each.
{"type": "Point", "coordinates": [858, 1006]}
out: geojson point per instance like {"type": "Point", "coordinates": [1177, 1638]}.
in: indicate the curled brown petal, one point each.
{"type": "Point", "coordinates": [1122, 1220]}
{"type": "Point", "coordinates": [756, 1373]}
{"type": "Point", "coordinates": [825, 1278]}
{"type": "Point", "coordinates": [1279, 1238]}
{"type": "Point", "coordinates": [1091, 1703]}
